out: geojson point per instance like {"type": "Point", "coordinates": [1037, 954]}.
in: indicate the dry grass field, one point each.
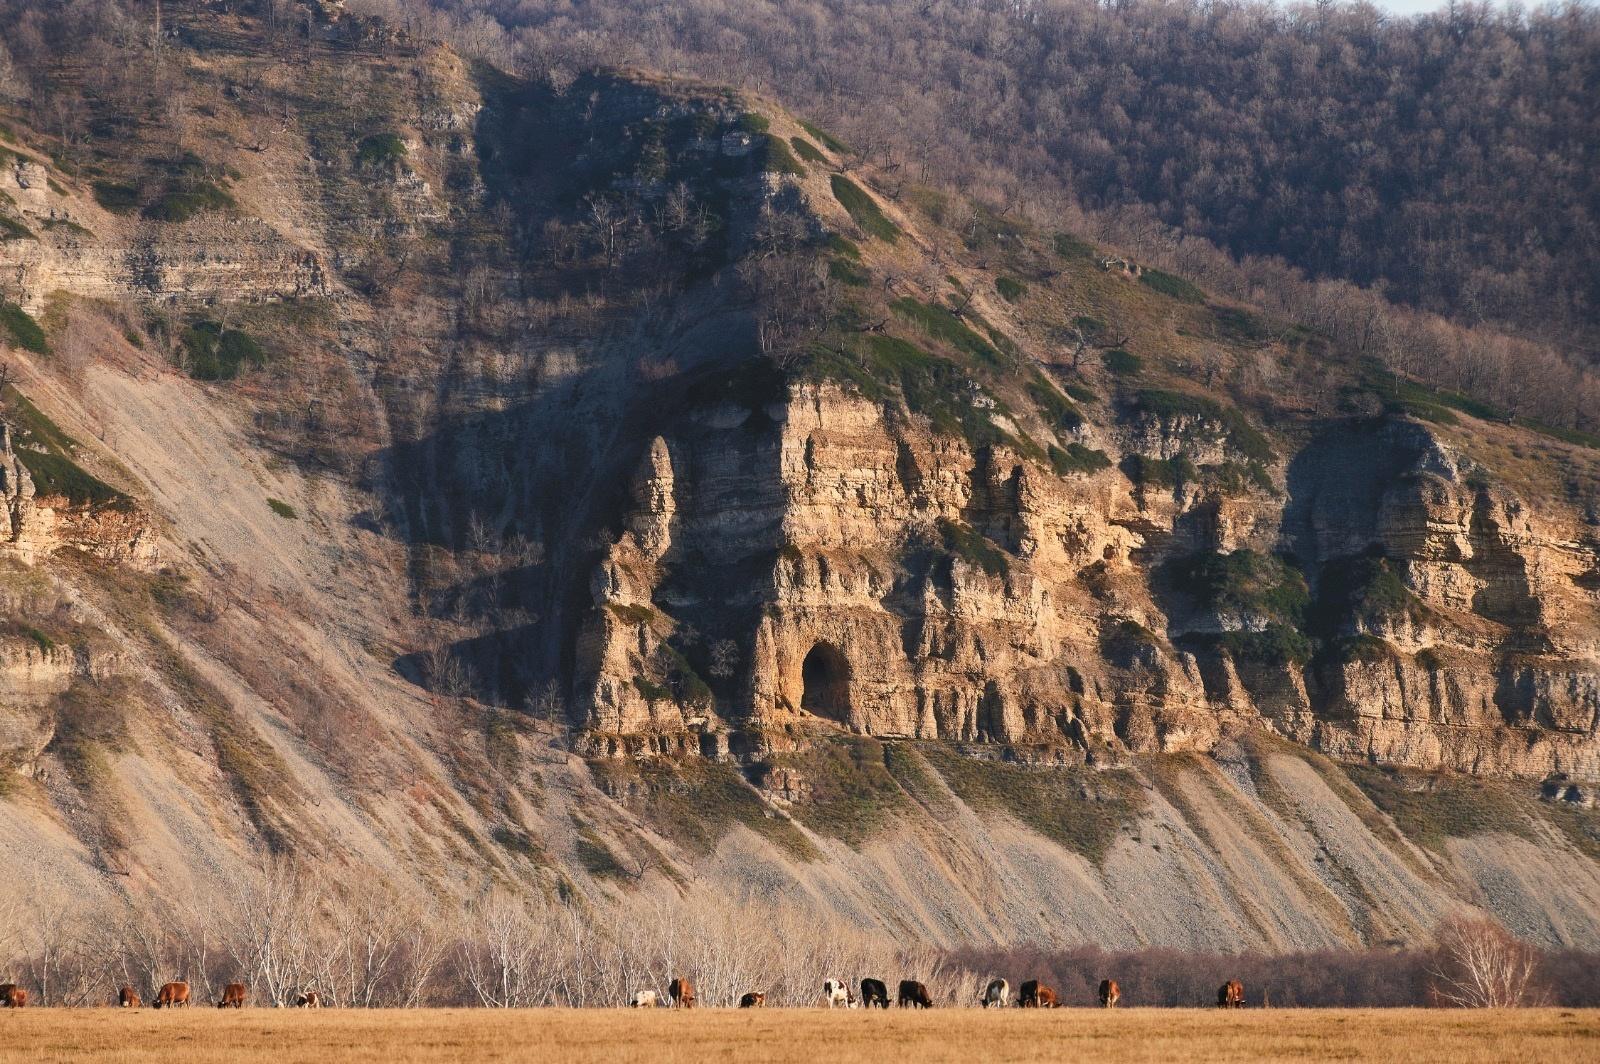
{"type": "Point", "coordinates": [814, 1036]}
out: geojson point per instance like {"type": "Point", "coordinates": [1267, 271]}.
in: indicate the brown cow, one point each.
{"type": "Point", "coordinates": [1230, 995]}
{"type": "Point", "coordinates": [172, 995]}
{"type": "Point", "coordinates": [914, 994]}
{"type": "Point", "coordinates": [128, 998]}
{"type": "Point", "coordinates": [232, 996]}
{"type": "Point", "coordinates": [1035, 995]}
{"type": "Point", "coordinates": [1110, 993]}
{"type": "Point", "coordinates": [13, 996]}
{"type": "Point", "coordinates": [681, 991]}
{"type": "Point", "coordinates": [309, 1000]}
{"type": "Point", "coordinates": [753, 1000]}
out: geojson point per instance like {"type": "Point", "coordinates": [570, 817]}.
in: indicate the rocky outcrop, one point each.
{"type": "Point", "coordinates": [32, 673]}
{"type": "Point", "coordinates": [900, 584]}
{"type": "Point", "coordinates": [36, 526]}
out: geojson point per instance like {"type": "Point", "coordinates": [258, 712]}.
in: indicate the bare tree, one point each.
{"type": "Point", "coordinates": [1478, 964]}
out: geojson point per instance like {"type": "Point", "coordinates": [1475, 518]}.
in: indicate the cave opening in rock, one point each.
{"type": "Point", "coordinates": [826, 679]}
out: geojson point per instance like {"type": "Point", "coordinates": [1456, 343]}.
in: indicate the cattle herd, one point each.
{"type": "Point", "coordinates": [836, 993]}
{"type": "Point", "coordinates": [170, 996]}
{"type": "Point", "coordinates": [680, 995]}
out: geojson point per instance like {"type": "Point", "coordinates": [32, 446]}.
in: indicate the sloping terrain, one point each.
{"type": "Point", "coordinates": [617, 492]}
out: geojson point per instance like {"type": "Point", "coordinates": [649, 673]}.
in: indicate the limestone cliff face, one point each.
{"type": "Point", "coordinates": [900, 584]}
{"type": "Point", "coordinates": [35, 526]}
{"type": "Point", "coordinates": [78, 247]}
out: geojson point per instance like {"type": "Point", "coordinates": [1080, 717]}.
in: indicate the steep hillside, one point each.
{"type": "Point", "coordinates": [618, 492]}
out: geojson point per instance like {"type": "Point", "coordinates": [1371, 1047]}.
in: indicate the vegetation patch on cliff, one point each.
{"type": "Point", "coordinates": [1363, 591]}
{"type": "Point", "coordinates": [827, 140]}
{"type": "Point", "coordinates": [1432, 808]}
{"type": "Point", "coordinates": [973, 547]}
{"type": "Point", "coordinates": [853, 795]}
{"type": "Point", "coordinates": [1076, 458]}
{"type": "Point", "coordinates": [214, 352]}
{"type": "Point", "coordinates": [1169, 406]}
{"type": "Point", "coordinates": [1171, 286]}
{"type": "Point", "coordinates": [47, 453]}
{"type": "Point", "coordinates": [863, 209]}
{"type": "Point", "coordinates": [1082, 809]}
{"type": "Point", "coordinates": [807, 150]}
{"type": "Point", "coordinates": [696, 802]}
{"type": "Point", "coordinates": [1243, 583]}
{"type": "Point", "coordinates": [18, 325]}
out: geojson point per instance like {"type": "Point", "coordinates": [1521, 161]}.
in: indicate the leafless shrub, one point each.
{"type": "Point", "coordinates": [1478, 964]}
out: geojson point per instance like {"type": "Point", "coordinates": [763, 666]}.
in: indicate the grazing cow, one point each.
{"type": "Point", "coordinates": [753, 1000]}
{"type": "Point", "coordinates": [998, 994]}
{"type": "Point", "coordinates": [874, 992]}
{"type": "Point", "coordinates": [644, 999]}
{"type": "Point", "coordinates": [13, 996]}
{"type": "Point", "coordinates": [1230, 995]}
{"type": "Point", "coordinates": [171, 995]}
{"type": "Point", "coordinates": [128, 998]}
{"type": "Point", "coordinates": [914, 994]}
{"type": "Point", "coordinates": [311, 999]}
{"type": "Point", "coordinates": [232, 996]}
{"type": "Point", "coordinates": [681, 991]}
{"type": "Point", "coordinates": [1035, 995]}
{"type": "Point", "coordinates": [836, 993]}
{"type": "Point", "coordinates": [1110, 993]}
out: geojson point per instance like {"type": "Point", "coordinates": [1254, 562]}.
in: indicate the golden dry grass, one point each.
{"type": "Point", "coordinates": [265, 1036]}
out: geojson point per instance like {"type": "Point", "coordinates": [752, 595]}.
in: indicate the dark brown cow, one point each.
{"type": "Point", "coordinates": [874, 992]}
{"type": "Point", "coordinates": [1035, 995]}
{"type": "Point", "coordinates": [753, 1000]}
{"type": "Point", "coordinates": [681, 991]}
{"type": "Point", "coordinates": [1110, 993]}
{"type": "Point", "coordinates": [914, 995]}
{"type": "Point", "coordinates": [13, 996]}
{"type": "Point", "coordinates": [1230, 995]}
{"type": "Point", "coordinates": [128, 998]}
{"type": "Point", "coordinates": [172, 995]}
{"type": "Point", "coordinates": [232, 996]}
{"type": "Point", "coordinates": [309, 1000]}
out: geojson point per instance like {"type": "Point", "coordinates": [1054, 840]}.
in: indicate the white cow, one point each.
{"type": "Point", "coordinates": [838, 994]}
{"type": "Point", "coordinates": [998, 994]}
{"type": "Point", "coordinates": [644, 999]}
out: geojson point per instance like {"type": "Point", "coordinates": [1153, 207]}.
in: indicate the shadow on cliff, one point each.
{"type": "Point", "coordinates": [609, 217]}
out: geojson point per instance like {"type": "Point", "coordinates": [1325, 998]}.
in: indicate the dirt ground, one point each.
{"type": "Point", "coordinates": [814, 1036]}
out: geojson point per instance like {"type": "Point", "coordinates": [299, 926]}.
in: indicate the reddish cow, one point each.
{"type": "Point", "coordinates": [1110, 993]}
{"type": "Point", "coordinates": [1035, 995]}
{"type": "Point", "coordinates": [681, 991]}
{"type": "Point", "coordinates": [13, 996]}
{"type": "Point", "coordinates": [128, 998]}
{"type": "Point", "coordinates": [914, 995]}
{"type": "Point", "coordinates": [1230, 995]}
{"type": "Point", "coordinates": [172, 995]}
{"type": "Point", "coordinates": [232, 996]}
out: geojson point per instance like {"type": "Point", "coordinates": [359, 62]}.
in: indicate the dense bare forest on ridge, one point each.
{"type": "Point", "coordinates": [1329, 161]}
{"type": "Point", "coordinates": [1447, 160]}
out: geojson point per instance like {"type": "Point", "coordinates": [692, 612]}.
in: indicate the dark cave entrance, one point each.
{"type": "Point", "coordinates": [826, 676]}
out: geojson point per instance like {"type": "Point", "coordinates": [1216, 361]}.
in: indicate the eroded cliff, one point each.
{"type": "Point", "coordinates": [610, 487]}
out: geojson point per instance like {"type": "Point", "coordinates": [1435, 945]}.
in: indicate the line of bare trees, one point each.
{"type": "Point", "coordinates": [1472, 962]}
{"type": "Point", "coordinates": [286, 929]}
